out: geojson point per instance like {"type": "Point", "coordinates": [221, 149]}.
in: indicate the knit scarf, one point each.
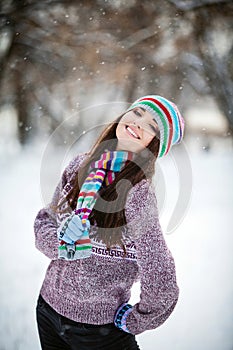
{"type": "Point", "coordinates": [102, 172]}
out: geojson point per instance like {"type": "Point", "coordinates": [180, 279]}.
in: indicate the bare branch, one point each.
{"type": "Point", "coordinates": [139, 36]}
{"type": "Point", "coordinates": [186, 5]}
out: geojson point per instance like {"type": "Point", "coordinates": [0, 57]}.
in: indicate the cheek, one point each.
{"type": "Point", "coordinates": [121, 126]}
{"type": "Point", "coordinates": [119, 130]}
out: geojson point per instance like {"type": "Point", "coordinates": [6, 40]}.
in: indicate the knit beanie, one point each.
{"type": "Point", "coordinates": [168, 118]}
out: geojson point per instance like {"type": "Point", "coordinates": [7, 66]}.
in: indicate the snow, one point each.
{"type": "Point", "coordinates": [201, 246]}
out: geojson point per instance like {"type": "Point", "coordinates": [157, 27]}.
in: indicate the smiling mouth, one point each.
{"type": "Point", "coordinates": [132, 132]}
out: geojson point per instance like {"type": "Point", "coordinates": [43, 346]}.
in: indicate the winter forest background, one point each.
{"type": "Point", "coordinates": [68, 67]}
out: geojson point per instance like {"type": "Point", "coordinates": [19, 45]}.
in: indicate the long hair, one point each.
{"type": "Point", "coordinates": [108, 214]}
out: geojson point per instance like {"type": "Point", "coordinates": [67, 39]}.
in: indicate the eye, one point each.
{"type": "Point", "coordinates": [137, 113]}
{"type": "Point", "coordinates": [155, 131]}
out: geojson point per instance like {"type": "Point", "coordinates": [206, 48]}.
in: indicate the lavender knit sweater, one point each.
{"type": "Point", "coordinates": [91, 290]}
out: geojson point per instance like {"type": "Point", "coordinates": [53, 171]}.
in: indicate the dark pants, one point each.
{"type": "Point", "coordinates": [59, 333]}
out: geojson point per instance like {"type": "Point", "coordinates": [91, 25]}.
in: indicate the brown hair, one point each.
{"type": "Point", "coordinates": [108, 214]}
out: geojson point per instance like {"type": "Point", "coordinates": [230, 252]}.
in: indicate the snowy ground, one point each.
{"type": "Point", "coordinates": [201, 245]}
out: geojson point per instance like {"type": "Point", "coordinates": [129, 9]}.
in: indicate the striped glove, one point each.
{"type": "Point", "coordinates": [121, 316]}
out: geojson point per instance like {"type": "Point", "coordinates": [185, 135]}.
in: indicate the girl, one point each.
{"type": "Point", "coordinates": [102, 233]}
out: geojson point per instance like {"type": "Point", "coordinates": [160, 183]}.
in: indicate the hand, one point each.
{"type": "Point", "coordinates": [72, 229]}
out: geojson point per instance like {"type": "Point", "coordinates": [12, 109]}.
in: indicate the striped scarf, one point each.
{"type": "Point", "coordinates": [102, 172]}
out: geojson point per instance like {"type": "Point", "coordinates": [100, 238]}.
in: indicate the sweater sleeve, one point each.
{"type": "Point", "coordinates": [45, 225]}
{"type": "Point", "coordinates": [159, 290]}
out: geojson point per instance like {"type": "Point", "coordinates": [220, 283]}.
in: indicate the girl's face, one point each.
{"type": "Point", "coordinates": [136, 130]}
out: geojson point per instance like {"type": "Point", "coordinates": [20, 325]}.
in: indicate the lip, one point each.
{"type": "Point", "coordinates": [134, 130]}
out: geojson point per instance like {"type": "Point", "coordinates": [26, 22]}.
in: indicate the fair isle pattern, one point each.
{"type": "Point", "coordinates": [168, 118]}
{"type": "Point", "coordinates": [115, 252]}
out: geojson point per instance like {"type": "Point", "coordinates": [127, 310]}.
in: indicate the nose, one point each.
{"type": "Point", "coordinates": [137, 124]}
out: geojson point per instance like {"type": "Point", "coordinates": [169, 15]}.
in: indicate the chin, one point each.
{"type": "Point", "coordinates": [126, 145]}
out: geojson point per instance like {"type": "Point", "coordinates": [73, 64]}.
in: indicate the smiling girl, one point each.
{"type": "Point", "coordinates": [102, 234]}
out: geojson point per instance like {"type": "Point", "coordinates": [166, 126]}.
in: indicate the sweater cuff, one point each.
{"type": "Point", "coordinates": [121, 317]}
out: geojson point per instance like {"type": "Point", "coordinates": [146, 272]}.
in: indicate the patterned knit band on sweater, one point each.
{"type": "Point", "coordinates": [168, 118]}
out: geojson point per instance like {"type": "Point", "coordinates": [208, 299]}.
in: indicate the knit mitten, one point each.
{"type": "Point", "coordinates": [71, 229]}
{"type": "Point", "coordinates": [74, 241]}
{"type": "Point", "coordinates": [121, 316]}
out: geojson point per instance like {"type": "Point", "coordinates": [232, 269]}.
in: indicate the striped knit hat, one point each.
{"type": "Point", "coordinates": [168, 118]}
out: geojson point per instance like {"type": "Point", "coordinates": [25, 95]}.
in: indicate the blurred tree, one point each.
{"type": "Point", "coordinates": [33, 59]}
{"type": "Point", "coordinates": [212, 48]}
{"type": "Point", "coordinates": [53, 54]}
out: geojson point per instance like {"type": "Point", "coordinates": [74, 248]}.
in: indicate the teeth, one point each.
{"type": "Point", "coordinates": [132, 132]}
